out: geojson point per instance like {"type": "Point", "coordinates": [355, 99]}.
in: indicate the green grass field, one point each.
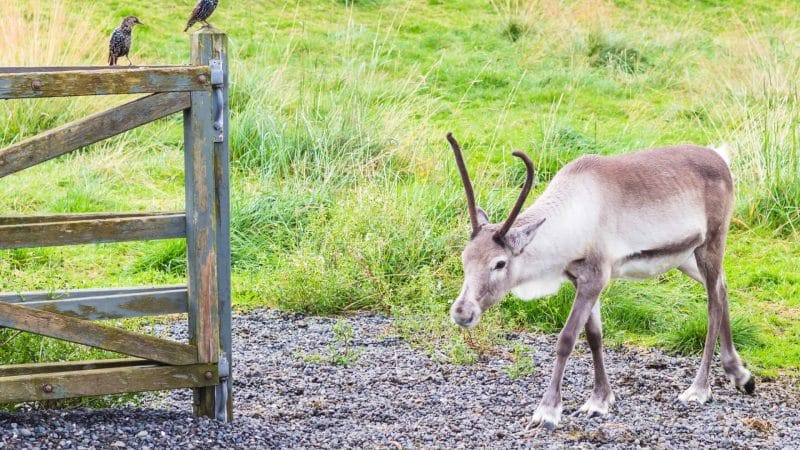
{"type": "Point", "coordinates": [345, 194]}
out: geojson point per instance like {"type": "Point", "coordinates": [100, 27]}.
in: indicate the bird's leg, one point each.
{"type": "Point", "coordinates": [206, 23]}
{"type": "Point", "coordinates": [129, 60]}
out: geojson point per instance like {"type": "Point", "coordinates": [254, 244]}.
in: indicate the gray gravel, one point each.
{"type": "Point", "coordinates": [396, 397]}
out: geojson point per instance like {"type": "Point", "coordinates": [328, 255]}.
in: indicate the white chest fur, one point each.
{"type": "Point", "coordinates": [540, 287]}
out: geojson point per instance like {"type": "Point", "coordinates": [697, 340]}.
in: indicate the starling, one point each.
{"type": "Point", "coordinates": [120, 43]}
{"type": "Point", "coordinates": [201, 12]}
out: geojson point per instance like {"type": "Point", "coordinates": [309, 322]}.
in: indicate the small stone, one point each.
{"type": "Point", "coordinates": [142, 434]}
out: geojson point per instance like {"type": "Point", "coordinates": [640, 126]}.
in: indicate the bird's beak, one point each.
{"type": "Point", "coordinates": [140, 23]}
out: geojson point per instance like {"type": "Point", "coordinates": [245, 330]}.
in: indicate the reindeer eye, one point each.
{"type": "Point", "coordinates": [499, 265]}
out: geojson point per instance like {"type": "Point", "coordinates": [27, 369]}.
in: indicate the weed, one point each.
{"type": "Point", "coordinates": [521, 364]}
{"type": "Point", "coordinates": [340, 352]}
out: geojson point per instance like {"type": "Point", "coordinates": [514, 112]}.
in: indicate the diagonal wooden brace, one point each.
{"type": "Point", "coordinates": [95, 128]}
{"type": "Point", "coordinates": [88, 333]}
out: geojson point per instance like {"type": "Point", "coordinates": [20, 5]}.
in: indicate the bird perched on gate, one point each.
{"type": "Point", "coordinates": [201, 12]}
{"type": "Point", "coordinates": [120, 43]}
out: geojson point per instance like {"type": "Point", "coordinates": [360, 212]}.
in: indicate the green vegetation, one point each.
{"type": "Point", "coordinates": [340, 351]}
{"type": "Point", "coordinates": [345, 194]}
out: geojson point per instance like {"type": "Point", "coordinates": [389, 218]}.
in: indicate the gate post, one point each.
{"type": "Point", "coordinates": [209, 47]}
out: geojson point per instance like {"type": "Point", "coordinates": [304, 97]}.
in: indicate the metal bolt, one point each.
{"type": "Point", "coordinates": [209, 375]}
{"type": "Point", "coordinates": [47, 388]}
{"type": "Point", "coordinates": [36, 85]}
{"type": "Point", "coordinates": [202, 79]}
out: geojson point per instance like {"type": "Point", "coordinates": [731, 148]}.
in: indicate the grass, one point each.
{"type": "Point", "coordinates": [344, 193]}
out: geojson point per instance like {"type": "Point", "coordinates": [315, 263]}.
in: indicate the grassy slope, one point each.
{"type": "Point", "coordinates": [345, 194]}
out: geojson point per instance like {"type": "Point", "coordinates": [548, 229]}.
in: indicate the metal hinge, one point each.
{"type": "Point", "coordinates": [218, 85]}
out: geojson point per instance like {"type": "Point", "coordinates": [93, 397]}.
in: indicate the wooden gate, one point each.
{"type": "Point", "coordinates": [200, 91]}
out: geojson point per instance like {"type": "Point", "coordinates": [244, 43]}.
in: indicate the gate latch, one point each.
{"type": "Point", "coordinates": [218, 85]}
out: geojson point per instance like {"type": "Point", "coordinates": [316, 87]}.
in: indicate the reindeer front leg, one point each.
{"type": "Point", "coordinates": [590, 281]}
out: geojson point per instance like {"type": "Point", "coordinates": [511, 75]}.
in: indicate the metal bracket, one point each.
{"type": "Point", "coordinates": [218, 85]}
{"type": "Point", "coordinates": [222, 391]}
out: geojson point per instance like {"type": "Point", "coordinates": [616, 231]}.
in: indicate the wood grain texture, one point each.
{"type": "Point", "coordinates": [104, 381]}
{"type": "Point", "coordinates": [119, 306]}
{"type": "Point", "coordinates": [69, 366]}
{"type": "Point", "coordinates": [201, 229]}
{"type": "Point", "coordinates": [75, 232]}
{"type": "Point", "coordinates": [138, 80]}
{"type": "Point", "coordinates": [201, 153]}
{"type": "Point", "coordinates": [75, 68]}
{"type": "Point", "coordinates": [95, 128]}
{"type": "Point", "coordinates": [37, 296]}
{"type": "Point", "coordinates": [85, 332]}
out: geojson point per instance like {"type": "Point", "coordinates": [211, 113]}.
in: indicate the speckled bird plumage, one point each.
{"type": "Point", "coordinates": [120, 43]}
{"type": "Point", "coordinates": [201, 12]}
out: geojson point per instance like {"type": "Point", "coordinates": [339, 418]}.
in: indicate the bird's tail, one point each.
{"type": "Point", "coordinates": [188, 25]}
{"type": "Point", "coordinates": [111, 59]}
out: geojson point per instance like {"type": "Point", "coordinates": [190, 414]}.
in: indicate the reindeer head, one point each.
{"type": "Point", "coordinates": [490, 258]}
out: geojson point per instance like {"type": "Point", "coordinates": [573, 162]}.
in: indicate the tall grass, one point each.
{"type": "Point", "coordinates": [759, 102]}
{"type": "Point", "coordinates": [43, 33]}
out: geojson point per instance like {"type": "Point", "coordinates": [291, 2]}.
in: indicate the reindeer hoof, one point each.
{"type": "Point", "coordinates": [597, 406]}
{"type": "Point", "coordinates": [750, 386]}
{"type": "Point", "coordinates": [695, 394]}
{"type": "Point", "coordinates": [546, 417]}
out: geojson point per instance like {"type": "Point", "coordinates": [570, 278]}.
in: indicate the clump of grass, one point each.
{"type": "Point", "coordinates": [615, 54]}
{"type": "Point", "coordinates": [559, 144]}
{"type": "Point", "coordinates": [264, 224]}
{"type": "Point", "coordinates": [687, 336]}
{"type": "Point", "coordinates": [340, 351]}
{"type": "Point", "coordinates": [521, 363]}
{"type": "Point", "coordinates": [168, 257]}
{"type": "Point", "coordinates": [517, 15]}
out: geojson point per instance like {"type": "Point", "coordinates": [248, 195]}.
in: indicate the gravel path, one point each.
{"type": "Point", "coordinates": [395, 397]}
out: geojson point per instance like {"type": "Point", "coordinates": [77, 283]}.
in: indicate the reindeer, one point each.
{"type": "Point", "coordinates": [629, 216]}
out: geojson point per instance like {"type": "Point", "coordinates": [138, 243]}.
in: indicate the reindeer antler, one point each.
{"type": "Point", "coordinates": [462, 169]}
{"type": "Point", "coordinates": [526, 189]}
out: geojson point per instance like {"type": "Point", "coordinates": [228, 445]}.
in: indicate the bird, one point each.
{"type": "Point", "coordinates": [120, 43]}
{"type": "Point", "coordinates": [201, 12]}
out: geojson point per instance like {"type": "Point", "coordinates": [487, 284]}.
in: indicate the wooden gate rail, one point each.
{"type": "Point", "coordinates": [95, 128]}
{"type": "Point", "coordinates": [204, 364]}
{"type": "Point", "coordinates": [105, 304]}
{"type": "Point", "coordinates": [107, 81]}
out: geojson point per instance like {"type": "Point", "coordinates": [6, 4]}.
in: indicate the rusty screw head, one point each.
{"type": "Point", "coordinates": [36, 85]}
{"type": "Point", "coordinates": [47, 388]}
{"type": "Point", "coordinates": [209, 375]}
{"type": "Point", "coordinates": [202, 79]}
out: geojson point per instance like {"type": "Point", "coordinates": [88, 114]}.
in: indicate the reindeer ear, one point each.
{"type": "Point", "coordinates": [483, 218]}
{"type": "Point", "coordinates": [519, 237]}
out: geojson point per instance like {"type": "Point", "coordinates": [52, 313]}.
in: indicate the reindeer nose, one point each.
{"type": "Point", "coordinates": [461, 321]}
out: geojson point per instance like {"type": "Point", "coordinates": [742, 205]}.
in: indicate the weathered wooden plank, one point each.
{"type": "Point", "coordinates": [42, 218]}
{"type": "Point", "coordinates": [105, 381]}
{"type": "Point", "coordinates": [38, 296]}
{"type": "Point", "coordinates": [104, 307]}
{"type": "Point", "coordinates": [95, 128]}
{"type": "Point", "coordinates": [201, 223]}
{"type": "Point", "coordinates": [135, 80]}
{"type": "Point", "coordinates": [75, 68]}
{"type": "Point", "coordinates": [87, 333]}
{"type": "Point", "coordinates": [70, 366]}
{"type": "Point", "coordinates": [51, 234]}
